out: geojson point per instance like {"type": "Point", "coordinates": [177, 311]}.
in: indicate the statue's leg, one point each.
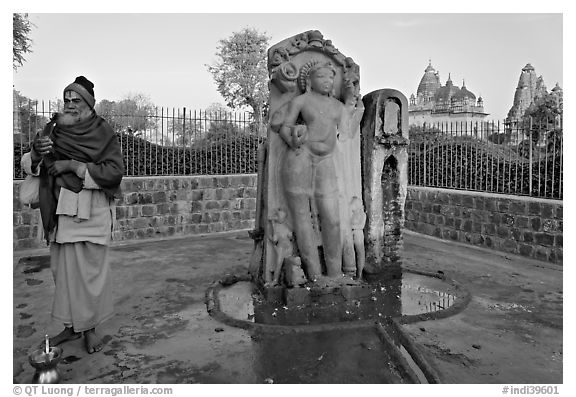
{"type": "Point", "coordinates": [326, 195]}
{"type": "Point", "coordinates": [297, 170]}
{"type": "Point", "coordinates": [305, 239]}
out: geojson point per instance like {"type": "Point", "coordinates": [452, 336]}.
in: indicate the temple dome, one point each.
{"type": "Point", "coordinates": [429, 83]}
{"type": "Point", "coordinates": [527, 68]}
{"type": "Point", "coordinates": [464, 93]}
{"type": "Point", "coordinates": [446, 93]}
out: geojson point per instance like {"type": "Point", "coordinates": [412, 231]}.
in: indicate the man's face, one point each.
{"type": "Point", "coordinates": [322, 80]}
{"type": "Point", "coordinates": [75, 108]}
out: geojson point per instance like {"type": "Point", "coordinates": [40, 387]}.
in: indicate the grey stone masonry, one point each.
{"type": "Point", "coordinates": [526, 226]}
{"type": "Point", "coordinates": [154, 207]}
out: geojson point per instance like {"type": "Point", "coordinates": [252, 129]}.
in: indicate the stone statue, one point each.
{"type": "Point", "coordinates": [281, 238]}
{"type": "Point", "coordinates": [358, 219]}
{"type": "Point", "coordinates": [313, 158]}
{"type": "Point", "coordinates": [308, 170]}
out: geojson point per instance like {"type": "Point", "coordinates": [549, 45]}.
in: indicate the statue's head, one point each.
{"type": "Point", "coordinates": [355, 204]}
{"type": "Point", "coordinates": [318, 76]}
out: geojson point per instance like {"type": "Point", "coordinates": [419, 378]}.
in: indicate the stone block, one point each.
{"type": "Point", "coordinates": [468, 201]}
{"type": "Point", "coordinates": [197, 195]}
{"type": "Point", "coordinates": [525, 250]}
{"type": "Point", "coordinates": [544, 239]}
{"type": "Point", "coordinates": [457, 223]}
{"type": "Point", "coordinates": [528, 237]}
{"type": "Point", "coordinates": [507, 220]}
{"type": "Point", "coordinates": [490, 204]}
{"type": "Point", "coordinates": [148, 210]}
{"type": "Point", "coordinates": [534, 208]}
{"type": "Point", "coordinates": [479, 203]}
{"type": "Point", "coordinates": [476, 227]}
{"type": "Point", "coordinates": [159, 197]}
{"type": "Point", "coordinates": [163, 208]}
{"type": "Point", "coordinates": [504, 205]}
{"type": "Point", "coordinates": [297, 296]}
{"type": "Point", "coordinates": [273, 294]}
{"type": "Point", "coordinates": [558, 240]}
{"type": "Point", "coordinates": [502, 232]}
{"type": "Point", "coordinates": [522, 222]}
{"type": "Point", "coordinates": [144, 198]}
{"type": "Point", "coordinates": [559, 212]}
{"type": "Point", "coordinates": [22, 232]}
{"type": "Point", "coordinates": [509, 246]}
{"type": "Point", "coordinates": [209, 194]}
{"type": "Point", "coordinates": [542, 253]}
{"type": "Point", "coordinates": [131, 198]}
{"type": "Point", "coordinates": [546, 211]}
{"type": "Point", "coordinates": [455, 199]}
{"type": "Point", "coordinates": [535, 223]}
{"type": "Point", "coordinates": [518, 207]}
{"type": "Point", "coordinates": [223, 181]}
{"type": "Point", "coordinates": [196, 207]}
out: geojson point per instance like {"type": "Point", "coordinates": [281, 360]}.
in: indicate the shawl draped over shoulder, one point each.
{"type": "Point", "coordinates": [92, 141]}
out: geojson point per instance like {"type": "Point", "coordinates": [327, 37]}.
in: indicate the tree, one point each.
{"type": "Point", "coordinates": [542, 117]}
{"type": "Point", "coordinates": [21, 42]}
{"type": "Point", "coordinates": [240, 72]}
{"type": "Point", "coordinates": [130, 115]}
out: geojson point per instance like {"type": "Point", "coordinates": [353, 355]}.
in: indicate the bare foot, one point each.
{"type": "Point", "coordinates": [92, 343]}
{"type": "Point", "coordinates": [66, 335]}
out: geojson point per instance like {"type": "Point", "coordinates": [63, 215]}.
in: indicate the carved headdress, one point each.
{"type": "Point", "coordinates": [308, 69]}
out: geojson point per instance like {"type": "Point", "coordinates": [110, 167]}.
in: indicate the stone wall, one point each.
{"type": "Point", "coordinates": [525, 226]}
{"type": "Point", "coordinates": [156, 207]}
{"type": "Point", "coordinates": [178, 206]}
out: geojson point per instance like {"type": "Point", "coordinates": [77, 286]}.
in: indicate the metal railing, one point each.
{"type": "Point", "coordinates": [162, 141]}
{"type": "Point", "coordinates": [523, 157]}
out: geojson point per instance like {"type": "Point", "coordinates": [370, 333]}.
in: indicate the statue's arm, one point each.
{"type": "Point", "coordinates": [350, 118]}
{"type": "Point", "coordinates": [292, 111]}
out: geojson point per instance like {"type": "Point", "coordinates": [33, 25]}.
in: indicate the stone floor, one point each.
{"type": "Point", "coordinates": [511, 332]}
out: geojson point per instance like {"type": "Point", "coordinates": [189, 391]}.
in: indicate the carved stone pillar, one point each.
{"type": "Point", "coordinates": [384, 131]}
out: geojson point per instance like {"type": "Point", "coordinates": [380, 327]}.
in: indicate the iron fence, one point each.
{"type": "Point", "coordinates": [161, 141]}
{"type": "Point", "coordinates": [522, 157]}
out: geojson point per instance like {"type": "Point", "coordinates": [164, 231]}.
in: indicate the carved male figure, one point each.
{"type": "Point", "coordinates": [79, 162]}
{"type": "Point", "coordinates": [358, 220]}
{"type": "Point", "coordinates": [281, 238]}
{"type": "Point", "coordinates": [308, 172]}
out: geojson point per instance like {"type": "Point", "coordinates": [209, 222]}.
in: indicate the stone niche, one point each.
{"type": "Point", "coordinates": [278, 257]}
{"type": "Point", "coordinates": [384, 130]}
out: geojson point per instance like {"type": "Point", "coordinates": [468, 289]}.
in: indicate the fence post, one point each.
{"type": "Point", "coordinates": [530, 159]}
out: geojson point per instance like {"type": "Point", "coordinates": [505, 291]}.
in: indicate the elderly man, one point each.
{"type": "Point", "coordinates": [79, 161]}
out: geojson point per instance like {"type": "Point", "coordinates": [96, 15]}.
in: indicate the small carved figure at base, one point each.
{"type": "Point", "coordinates": [293, 273]}
{"type": "Point", "coordinates": [281, 238]}
{"type": "Point", "coordinates": [358, 221]}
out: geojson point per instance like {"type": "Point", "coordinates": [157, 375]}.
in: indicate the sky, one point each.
{"type": "Point", "coordinates": [164, 55]}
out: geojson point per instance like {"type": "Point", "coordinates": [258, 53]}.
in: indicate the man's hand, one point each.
{"type": "Point", "coordinates": [42, 145]}
{"type": "Point", "coordinates": [61, 166]}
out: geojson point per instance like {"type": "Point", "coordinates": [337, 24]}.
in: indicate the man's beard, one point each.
{"type": "Point", "coordinates": [72, 118]}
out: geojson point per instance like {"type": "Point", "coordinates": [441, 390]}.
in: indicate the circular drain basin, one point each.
{"type": "Point", "coordinates": [411, 297]}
